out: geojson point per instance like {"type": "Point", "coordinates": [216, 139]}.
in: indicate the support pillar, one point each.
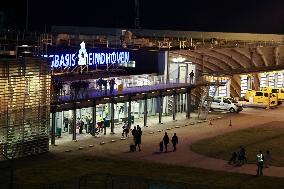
{"type": "Point", "coordinates": [74, 123]}
{"type": "Point", "coordinates": [94, 112]}
{"type": "Point", "coordinates": [188, 94]}
{"type": "Point", "coordinates": [145, 111]}
{"type": "Point", "coordinates": [112, 116]}
{"type": "Point", "coordinates": [53, 111]}
{"type": "Point", "coordinates": [174, 105]}
{"type": "Point", "coordinates": [129, 112]}
{"type": "Point", "coordinates": [160, 107]}
{"type": "Point", "coordinates": [202, 63]}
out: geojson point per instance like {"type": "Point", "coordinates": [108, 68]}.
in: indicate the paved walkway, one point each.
{"type": "Point", "coordinates": [188, 133]}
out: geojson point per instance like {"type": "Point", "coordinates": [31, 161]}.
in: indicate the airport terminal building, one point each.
{"type": "Point", "coordinates": [49, 87]}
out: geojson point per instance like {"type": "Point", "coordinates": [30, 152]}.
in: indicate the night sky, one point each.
{"type": "Point", "coordinates": [255, 16]}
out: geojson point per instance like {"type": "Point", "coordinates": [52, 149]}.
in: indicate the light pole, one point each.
{"type": "Point", "coordinates": [27, 15]}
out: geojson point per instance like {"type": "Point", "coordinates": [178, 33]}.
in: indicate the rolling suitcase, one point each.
{"type": "Point", "coordinates": [132, 147]}
{"type": "Point", "coordinates": [161, 146]}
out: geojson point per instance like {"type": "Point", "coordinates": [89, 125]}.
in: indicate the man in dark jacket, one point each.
{"type": "Point", "coordinates": [138, 138]}
{"type": "Point", "coordinates": [133, 132]}
{"type": "Point", "coordinates": [175, 141]}
{"type": "Point", "coordinates": [166, 141]}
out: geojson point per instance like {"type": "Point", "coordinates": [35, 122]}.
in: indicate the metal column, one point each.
{"type": "Point", "coordinates": [74, 123]}
{"type": "Point", "coordinates": [145, 111]}
{"type": "Point", "coordinates": [53, 111]}
{"type": "Point", "coordinates": [160, 107]}
{"type": "Point", "coordinates": [94, 112]}
{"type": "Point", "coordinates": [188, 94]}
{"type": "Point", "coordinates": [129, 112]}
{"type": "Point", "coordinates": [112, 116]}
{"type": "Point", "coordinates": [174, 105]}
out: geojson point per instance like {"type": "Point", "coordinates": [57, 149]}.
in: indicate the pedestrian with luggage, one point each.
{"type": "Point", "coordinates": [175, 141]}
{"type": "Point", "coordinates": [166, 141]}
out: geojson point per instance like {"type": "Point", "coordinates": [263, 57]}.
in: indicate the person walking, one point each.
{"type": "Point", "coordinates": [138, 135]}
{"type": "Point", "coordinates": [111, 85]}
{"type": "Point", "coordinates": [175, 141]}
{"type": "Point", "coordinates": [166, 141]}
{"type": "Point", "coordinates": [191, 75]}
{"type": "Point", "coordinates": [127, 129]}
{"type": "Point", "coordinates": [66, 121]}
{"type": "Point", "coordinates": [100, 123]}
{"type": "Point", "coordinates": [259, 158]}
{"type": "Point", "coordinates": [81, 126]}
{"type": "Point", "coordinates": [267, 159]}
{"type": "Point", "coordinates": [133, 132]}
{"type": "Point", "coordinates": [242, 155]}
{"type": "Point", "coordinates": [124, 129]}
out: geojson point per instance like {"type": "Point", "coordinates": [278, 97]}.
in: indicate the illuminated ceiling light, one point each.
{"type": "Point", "coordinates": [179, 59]}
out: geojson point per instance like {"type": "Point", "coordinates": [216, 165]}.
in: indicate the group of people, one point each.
{"type": "Point", "coordinates": [166, 141]}
{"type": "Point", "coordinates": [79, 89]}
{"type": "Point", "coordinates": [103, 83]}
{"type": "Point", "coordinates": [239, 158]}
{"type": "Point", "coordinates": [137, 134]}
{"type": "Point", "coordinates": [85, 123]}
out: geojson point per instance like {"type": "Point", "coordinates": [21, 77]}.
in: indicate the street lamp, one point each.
{"type": "Point", "coordinates": [27, 15]}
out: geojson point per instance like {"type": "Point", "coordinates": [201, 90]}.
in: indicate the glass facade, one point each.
{"type": "Point", "coordinates": [24, 106]}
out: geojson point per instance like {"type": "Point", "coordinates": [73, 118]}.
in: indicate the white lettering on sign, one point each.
{"type": "Point", "coordinates": [85, 58]}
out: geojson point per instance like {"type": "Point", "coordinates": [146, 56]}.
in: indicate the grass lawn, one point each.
{"type": "Point", "coordinates": [253, 139]}
{"type": "Point", "coordinates": [58, 171]}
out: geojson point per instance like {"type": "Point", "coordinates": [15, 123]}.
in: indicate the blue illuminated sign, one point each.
{"type": "Point", "coordinates": [88, 58]}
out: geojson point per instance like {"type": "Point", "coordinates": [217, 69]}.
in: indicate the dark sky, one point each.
{"type": "Point", "coordinates": [256, 16]}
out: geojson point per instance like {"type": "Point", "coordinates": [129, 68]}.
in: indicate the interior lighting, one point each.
{"type": "Point", "coordinates": [179, 59]}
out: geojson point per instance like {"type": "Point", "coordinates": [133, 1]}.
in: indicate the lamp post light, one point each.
{"type": "Point", "coordinates": [27, 15]}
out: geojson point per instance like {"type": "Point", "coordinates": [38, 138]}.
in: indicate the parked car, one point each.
{"type": "Point", "coordinates": [226, 103]}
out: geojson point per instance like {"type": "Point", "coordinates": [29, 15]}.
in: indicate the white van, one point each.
{"type": "Point", "coordinates": [226, 103]}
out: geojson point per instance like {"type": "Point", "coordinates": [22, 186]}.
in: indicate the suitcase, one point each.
{"type": "Point", "coordinates": [132, 147]}
{"type": "Point", "coordinates": [161, 146]}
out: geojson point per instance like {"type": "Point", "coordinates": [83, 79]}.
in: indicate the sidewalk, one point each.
{"type": "Point", "coordinates": [189, 131]}
{"type": "Point", "coordinates": [152, 125]}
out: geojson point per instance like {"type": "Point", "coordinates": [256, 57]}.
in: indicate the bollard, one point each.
{"type": "Point", "coordinates": [230, 123]}
{"type": "Point", "coordinates": [210, 122]}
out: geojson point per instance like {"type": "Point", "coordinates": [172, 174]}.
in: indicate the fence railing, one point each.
{"type": "Point", "coordinates": [129, 85]}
